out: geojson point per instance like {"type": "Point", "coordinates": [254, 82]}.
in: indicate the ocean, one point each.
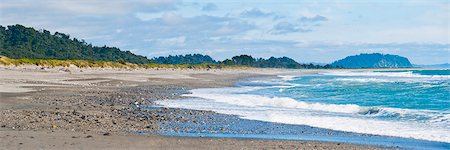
{"type": "Point", "coordinates": [399, 103]}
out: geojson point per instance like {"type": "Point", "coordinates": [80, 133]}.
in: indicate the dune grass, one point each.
{"type": "Point", "coordinates": [105, 64]}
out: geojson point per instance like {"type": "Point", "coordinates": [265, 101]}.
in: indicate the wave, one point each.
{"type": "Point", "coordinates": [364, 80]}
{"type": "Point", "coordinates": [404, 129]}
{"type": "Point", "coordinates": [407, 74]}
{"type": "Point", "coordinates": [242, 89]}
{"type": "Point", "coordinates": [418, 124]}
{"type": "Point", "coordinates": [234, 96]}
{"type": "Point", "coordinates": [250, 100]}
{"type": "Point", "coordinates": [281, 82]}
{"type": "Point", "coordinates": [359, 125]}
{"type": "Point", "coordinates": [426, 83]}
{"type": "Point", "coordinates": [287, 77]}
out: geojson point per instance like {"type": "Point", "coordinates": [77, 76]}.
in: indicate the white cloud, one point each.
{"type": "Point", "coordinates": [173, 25]}
{"type": "Point", "coordinates": [91, 7]}
{"type": "Point", "coordinates": [209, 7]}
{"type": "Point", "coordinates": [302, 24]}
{"type": "Point", "coordinates": [175, 41]}
{"type": "Point", "coordinates": [260, 29]}
{"type": "Point", "coordinates": [256, 13]}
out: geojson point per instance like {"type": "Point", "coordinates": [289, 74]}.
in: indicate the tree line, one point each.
{"type": "Point", "coordinates": [272, 62]}
{"type": "Point", "coordinates": [17, 41]}
{"type": "Point", "coordinates": [241, 60]}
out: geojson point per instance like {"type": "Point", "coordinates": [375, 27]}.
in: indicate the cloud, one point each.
{"type": "Point", "coordinates": [222, 48]}
{"type": "Point", "coordinates": [209, 7]}
{"type": "Point", "coordinates": [151, 27]}
{"type": "Point", "coordinates": [174, 32]}
{"type": "Point", "coordinates": [174, 25]}
{"type": "Point", "coordinates": [286, 27]}
{"type": "Point", "coordinates": [90, 7]}
{"type": "Point", "coordinates": [173, 42]}
{"type": "Point", "coordinates": [142, 27]}
{"type": "Point", "coordinates": [87, 19]}
{"type": "Point", "coordinates": [256, 13]}
{"type": "Point", "coordinates": [417, 53]}
{"type": "Point", "coordinates": [323, 52]}
{"type": "Point", "coordinates": [303, 24]}
{"type": "Point", "coordinates": [317, 18]}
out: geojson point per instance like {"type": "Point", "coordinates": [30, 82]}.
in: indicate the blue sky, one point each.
{"type": "Point", "coordinates": [307, 31]}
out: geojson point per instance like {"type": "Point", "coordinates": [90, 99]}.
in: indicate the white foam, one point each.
{"type": "Point", "coordinates": [360, 125]}
{"type": "Point", "coordinates": [242, 89]}
{"type": "Point", "coordinates": [407, 74]}
{"type": "Point", "coordinates": [287, 77]}
{"type": "Point", "coordinates": [278, 83]}
{"type": "Point", "coordinates": [349, 118]}
{"type": "Point", "coordinates": [364, 80]}
{"type": "Point", "coordinates": [250, 100]}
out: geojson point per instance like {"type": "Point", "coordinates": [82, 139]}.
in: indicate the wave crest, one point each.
{"type": "Point", "coordinates": [407, 74]}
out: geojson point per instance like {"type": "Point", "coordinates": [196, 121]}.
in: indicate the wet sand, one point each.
{"type": "Point", "coordinates": [73, 108]}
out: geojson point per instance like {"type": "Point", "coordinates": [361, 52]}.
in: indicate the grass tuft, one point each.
{"type": "Point", "coordinates": [106, 64]}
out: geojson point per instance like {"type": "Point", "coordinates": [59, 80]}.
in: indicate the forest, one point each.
{"type": "Point", "coordinates": [18, 42]}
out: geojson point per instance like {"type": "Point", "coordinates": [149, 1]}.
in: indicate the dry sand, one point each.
{"type": "Point", "coordinates": [73, 108]}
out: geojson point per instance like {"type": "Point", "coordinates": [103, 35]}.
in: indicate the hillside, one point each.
{"type": "Point", "coordinates": [272, 62]}
{"type": "Point", "coordinates": [375, 60]}
{"type": "Point", "coordinates": [185, 59]}
{"type": "Point", "coordinates": [20, 42]}
{"type": "Point", "coordinates": [17, 41]}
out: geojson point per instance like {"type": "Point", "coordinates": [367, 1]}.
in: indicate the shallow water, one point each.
{"type": "Point", "coordinates": [408, 104]}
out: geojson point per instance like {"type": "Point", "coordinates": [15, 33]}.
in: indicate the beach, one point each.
{"type": "Point", "coordinates": [178, 74]}
{"type": "Point", "coordinates": [79, 108]}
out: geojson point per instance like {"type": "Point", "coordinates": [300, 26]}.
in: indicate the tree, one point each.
{"type": "Point", "coordinates": [18, 41]}
{"type": "Point", "coordinates": [185, 59]}
{"type": "Point", "coordinates": [227, 62]}
{"type": "Point", "coordinates": [243, 60]}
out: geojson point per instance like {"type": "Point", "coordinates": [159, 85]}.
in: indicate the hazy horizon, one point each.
{"type": "Point", "coordinates": [320, 32]}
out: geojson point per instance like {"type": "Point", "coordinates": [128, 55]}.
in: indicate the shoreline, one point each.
{"type": "Point", "coordinates": [294, 131]}
{"type": "Point", "coordinates": [99, 103]}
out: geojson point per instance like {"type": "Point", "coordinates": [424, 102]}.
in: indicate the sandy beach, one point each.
{"type": "Point", "coordinates": [179, 74]}
{"type": "Point", "coordinates": [79, 108]}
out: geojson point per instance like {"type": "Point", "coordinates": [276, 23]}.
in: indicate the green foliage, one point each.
{"type": "Point", "coordinates": [29, 46]}
{"type": "Point", "coordinates": [244, 60]}
{"type": "Point", "coordinates": [105, 64]}
{"type": "Point", "coordinates": [272, 62]}
{"type": "Point", "coordinates": [121, 61]}
{"type": "Point", "coordinates": [186, 59]}
{"type": "Point", "coordinates": [18, 41]}
{"type": "Point", "coordinates": [227, 62]}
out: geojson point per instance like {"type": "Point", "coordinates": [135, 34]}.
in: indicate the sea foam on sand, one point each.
{"type": "Point", "coordinates": [350, 117]}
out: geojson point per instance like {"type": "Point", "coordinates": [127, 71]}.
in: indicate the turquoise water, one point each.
{"type": "Point", "coordinates": [418, 89]}
{"type": "Point", "coordinates": [401, 103]}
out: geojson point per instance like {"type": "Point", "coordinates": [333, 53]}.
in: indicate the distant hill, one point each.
{"type": "Point", "coordinates": [317, 63]}
{"type": "Point", "coordinates": [446, 65]}
{"type": "Point", "coordinates": [272, 62]}
{"type": "Point", "coordinates": [375, 60]}
{"type": "Point", "coordinates": [185, 59]}
{"type": "Point", "coordinates": [17, 41]}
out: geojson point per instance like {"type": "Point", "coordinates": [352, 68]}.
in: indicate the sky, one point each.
{"type": "Point", "coordinates": [305, 30]}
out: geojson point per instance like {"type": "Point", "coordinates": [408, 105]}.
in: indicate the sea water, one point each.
{"type": "Point", "coordinates": [400, 103]}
